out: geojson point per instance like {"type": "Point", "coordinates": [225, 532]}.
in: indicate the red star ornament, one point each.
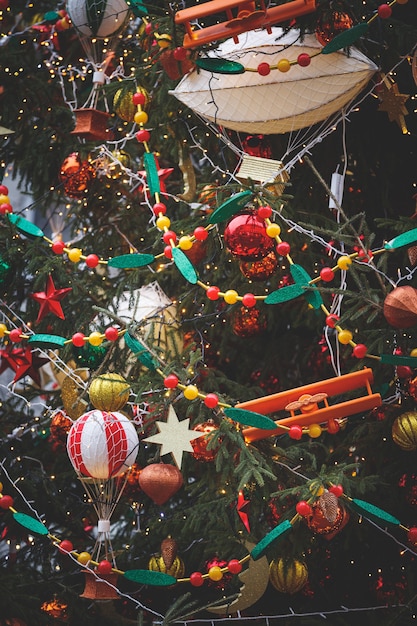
{"type": "Point", "coordinates": [163, 173]}
{"type": "Point", "coordinates": [240, 506]}
{"type": "Point", "coordinates": [49, 300]}
{"type": "Point", "coordinates": [23, 362]}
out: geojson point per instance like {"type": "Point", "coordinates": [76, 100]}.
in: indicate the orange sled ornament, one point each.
{"type": "Point", "coordinates": [309, 404]}
{"type": "Point", "coordinates": [249, 16]}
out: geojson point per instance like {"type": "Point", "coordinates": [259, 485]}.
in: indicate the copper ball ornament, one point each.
{"type": "Point", "coordinates": [245, 236]}
{"type": "Point", "coordinates": [59, 427]}
{"type": "Point", "coordinates": [75, 175]}
{"type": "Point", "coordinates": [248, 322]}
{"type": "Point", "coordinates": [400, 307]}
{"type": "Point", "coordinates": [320, 524]}
{"type": "Point", "coordinates": [404, 431]}
{"type": "Point", "coordinates": [327, 30]}
{"type": "Point", "coordinates": [200, 452]}
{"type": "Point", "coordinates": [160, 481]}
{"type": "Point", "coordinates": [288, 576]}
{"type": "Point", "coordinates": [261, 269]}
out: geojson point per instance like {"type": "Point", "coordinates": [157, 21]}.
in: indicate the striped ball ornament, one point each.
{"type": "Point", "coordinates": [404, 431]}
{"type": "Point", "coordinates": [288, 576]}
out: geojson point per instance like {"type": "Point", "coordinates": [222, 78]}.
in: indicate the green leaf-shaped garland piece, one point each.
{"type": "Point", "coordinates": [220, 66]}
{"type": "Point", "coordinates": [373, 512]}
{"type": "Point", "coordinates": [139, 350]}
{"type": "Point", "coordinates": [230, 207]}
{"type": "Point", "coordinates": [152, 178]}
{"type": "Point", "coordinates": [149, 577]}
{"type": "Point", "coordinates": [24, 226]}
{"type": "Point", "coordinates": [184, 266]}
{"type": "Point", "coordinates": [128, 261]}
{"type": "Point", "coordinates": [250, 418]}
{"type": "Point", "coordinates": [276, 533]}
{"type": "Point", "coordinates": [30, 523]}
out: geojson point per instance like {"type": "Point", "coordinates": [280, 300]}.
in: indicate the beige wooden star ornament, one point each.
{"type": "Point", "coordinates": [393, 102]}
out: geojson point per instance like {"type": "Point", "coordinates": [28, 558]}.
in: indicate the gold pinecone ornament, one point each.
{"type": "Point", "coordinates": [109, 392]}
{"type": "Point", "coordinates": [167, 562]}
{"type": "Point", "coordinates": [288, 575]}
{"type": "Point", "coordinates": [404, 431]}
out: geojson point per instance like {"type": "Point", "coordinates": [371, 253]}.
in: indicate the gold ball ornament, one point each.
{"type": "Point", "coordinates": [109, 392]}
{"type": "Point", "coordinates": [123, 105]}
{"type": "Point", "coordinates": [404, 431]}
{"type": "Point", "coordinates": [288, 576]}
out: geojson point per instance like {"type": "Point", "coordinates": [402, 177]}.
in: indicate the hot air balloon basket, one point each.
{"type": "Point", "coordinates": [96, 588]}
{"type": "Point", "coordinates": [91, 124]}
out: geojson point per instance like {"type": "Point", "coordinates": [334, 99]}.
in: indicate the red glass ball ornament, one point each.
{"type": "Point", "coordinates": [264, 69]}
{"type": "Point", "coordinates": [180, 53]}
{"type": "Point", "coordinates": [15, 335]}
{"type": "Point", "coordinates": [248, 322]}
{"type": "Point", "coordinates": [4, 191]}
{"type": "Point", "coordinates": [303, 508]}
{"type": "Point", "coordinates": [249, 300]}
{"type": "Point", "coordinates": [264, 212]}
{"type": "Point", "coordinates": [295, 432]}
{"type": "Point", "coordinates": [65, 546]}
{"type": "Point", "coordinates": [111, 333]}
{"type": "Point", "coordinates": [78, 340]}
{"type": "Point", "coordinates": [327, 30]}
{"type": "Point", "coordinates": [234, 566]}
{"type": "Point", "coordinates": [327, 274]}
{"type": "Point", "coordinates": [200, 452]}
{"type": "Point", "coordinates": [412, 535]}
{"type": "Point", "coordinates": [143, 135]}
{"type": "Point", "coordinates": [171, 381]}
{"type": "Point", "coordinates": [261, 269]}
{"type": "Point", "coordinates": [200, 233]}
{"type": "Point", "coordinates": [58, 247]}
{"type": "Point", "coordinates": [360, 351]}
{"type": "Point", "coordinates": [211, 400]}
{"type": "Point", "coordinates": [303, 59]}
{"type": "Point", "coordinates": [196, 579]}
{"type": "Point", "coordinates": [104, 567]}
{"type": "Point", "coordinates": [212, 293]}
{"type": "Point", "coordinates": [384, 11]}
{"type": "Point", "coordinates": [92, 260]}
{"type": "Point", "coordinates": [169, 236]}
{"type": "Point", "coordinates": [159, 208]}
{"type": "Point", "coordinates": [138, 98]}
{"type": "Point", "coordinates": [332, 320]}
{"type": "Point", "coordinates": [76, 175]}
{"type": "Point", "coordinates": [333, 427]}
{"type": "Point", "coordinates": [283, 248]}
{"type": "Point", "coordinates": [245, 236]}
{"type": "Point", "coordinates": [404, 372]}
{"type": "Point", "coordinates": [5, 207]}
{"type": "Point", "coordinates": [6, 502]}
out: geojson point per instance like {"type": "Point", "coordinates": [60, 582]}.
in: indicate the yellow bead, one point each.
{"type": "Point", "coordinates": [283, 65]}
{"type": "Point", "coordinates": [413, 352]}
{"type": "Point", "coordinates": [191, 392]}
{"type": "Point", "coordinates": [215, 573]}
{"type": "Point", "coordinates": [163, 222]}
{"type": "Point", "coordinates": [231, 296]}
{"type": "Point", "coordinates": [344, 262]}
{"type": "Point", "coordinates": [95, 339]}
{"type": "Point", "coordinates": [344, 337]}
{"type": "Point", "coordinates": [185, 243]}
{"type": "Point", "coordinates": [273, 230]}
{"type": "Point", "coordinates": [3, 330]}
{"type": "Point", "coordinates": [4, 199]}
{"type": "Point", "coordinates": [74, 255]}
{"type": "Point", "coordinates": [84, 558]}
{"type": "Point", "coordinates": [141, 117]}
{"type": "Point", "coordinates": [1, 487]}
{"type": "Point", "coordinates": [314, 430]}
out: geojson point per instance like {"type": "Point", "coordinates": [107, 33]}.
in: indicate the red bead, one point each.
{"type": "Point", "coordinates": [111, 333]}
{"type": "Point", "coordinates": [78, 340]}
{"type": "Point", "coordinates": [104, 567]}
{"type": "Point", "coordinates": [6, 208]}
{"type": "Point", "coordinates": [196, 579]}
{"type": "Point", "coordinates": [158, 208]}
{"type": "Point", "coordinates": [303, 59]}
{"type": "Point", "coordinates": [138, 98]}
{"type": "Point", "coordinates": [15, 335]}
{"type": "Point", "coordinates": [143, 136]}
{"type": "Point", "coordinates": [200, 233]}
{"type": "Point", "coordinates": [295, 432]}
{"type": "Point", "coordinates": [264, 69]}
{"type": "Point", "coordinates": [169, 236]}
{"type": "Point", "coordinates": [384, 11]}
{"type": "Point", "coordinates": [4, 191]}
{"type": "Point", "coordinates": [58, 247]}
{"type": "Point", "coordinates": [168, 252]}
{"type": "Point", "coordinates": [303, 508]}
{"type": "Point", "coordinates": [92, 260]}
{"type": "Point", "coordinates": [333, 427]}
{"type": "Point", "coordinates": [212, 293]}
{"type": "Point", "coordinates": [171, 381]}
{"type": "Point", "coordinates": [234, 566]}
{"type": "Point", "coordinates": [283, 248]}
{"type": "Point", "coordinates": [412, 535]}
{"type": "Point", "coordinates": [404, 372]}
{"type": "Point", "coordinates": [211, 400]}
{"type": "Point", "coordinates": [327, 274]}
{"type": "Point", "coordinates": [331, 320]}
{"type": "Point", "coordinates": [249, 300]}
{"type": "Point", "coordinates": [180, 53]}
{"type": "Point", "coordinates": [66, 546]}
{"type": "Point", "coordinates": [265, 212]}
{"type": "Point", "coordinates": [360, 350]}
{"type": "Point", "coordinates": [336, 490]}
{"type": "Point", "coordinates": [6, 502]}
